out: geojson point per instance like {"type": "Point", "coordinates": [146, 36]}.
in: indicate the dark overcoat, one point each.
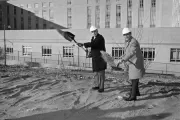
{"type": "Point", "coordinates": [97, 44]}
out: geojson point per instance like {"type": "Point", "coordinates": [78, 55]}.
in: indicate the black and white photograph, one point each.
{"type": "Point", "coordinates": [89, 59]}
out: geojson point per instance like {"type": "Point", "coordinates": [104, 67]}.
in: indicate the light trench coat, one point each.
{"type": "Point", "coordinates": [134, 59]}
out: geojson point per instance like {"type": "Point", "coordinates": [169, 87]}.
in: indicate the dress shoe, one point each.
{"type": "Point", "coordinates": [138, 93]}
{"type": "Point", "coordinates": [130, 98]}
{"type": "Point", "coordinates": [95, 88]}
{"type": "Point", "coordinates": [101, 90]}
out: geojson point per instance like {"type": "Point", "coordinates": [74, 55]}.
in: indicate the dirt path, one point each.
{"type": "Point", "coordinates": [44, 94]}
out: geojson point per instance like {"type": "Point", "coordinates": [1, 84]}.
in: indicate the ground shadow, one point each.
{"type": "Point", "coordinates": [173, 91]}
{"type": "Point", "coordinates": [81, 114]}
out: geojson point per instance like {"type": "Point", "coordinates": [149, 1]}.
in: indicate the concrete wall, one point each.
{"type": "Point", "coordinates": [162, 39]}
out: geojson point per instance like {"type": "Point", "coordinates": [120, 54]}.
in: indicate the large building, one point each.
{"type": "Point", "coordinates": [81, 14]}
{"type": "Point", "coordinates": [151, 22]}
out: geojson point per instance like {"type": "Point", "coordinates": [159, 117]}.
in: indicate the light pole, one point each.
{"type": "Point", "coordinates": [4, 44]}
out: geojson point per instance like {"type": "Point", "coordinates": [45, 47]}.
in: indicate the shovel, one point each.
{"type": "Point", "coordinates": [69, 36]}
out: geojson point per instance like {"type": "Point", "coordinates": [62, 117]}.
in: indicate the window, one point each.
{"type": "Point", "coordinates": [69, 18]}
{"type": "Point", "coordinates": [153, 13]}
{"type": "Point", "coordinates": [140, 13]}
{"type": "Point", "coordinates": [148, 53]}
{"type": "Point", "coordinates": [44, 24]}
{"type": "Point", "coordinates": [118, 16]}
{"type": "Point", "coordinates": [108, 1]}
{"type": "Point", "coordinates": [68, 2]}
{"type": "Point", "coordinates": [68, 51]}
{"type": "Point", "coordinates": [22, 11]}
{"type": "Point", "coordinates": [22, 23]}
{"type": "Point", "coordinates": [14, 10]}
{"type": "Point", "coordinates": [46, 51]}
{"type": "Point", "coordinates": [51, 4]}
{"type": "Point", "coordinates": [97, 1]}
{"type": "Point", "coordinates": [107, 17]}
{"type": "Point", "coordinates": [97, 17]}
{"type": "Point", "coordinates": [129, 14]}
{"type": "Point", "coordinates": [36, 12]}
{"type": "Point", "coordinates": [37, 23]}
{"type": "Point", "coordinates": [117, 52]}
{"type": "Point", "coordinates": [51, 14]}
{"type": "Point", "coordinates": [26, 50]}
{"type": "Point", "coordinates": [36, 5]}
{"type": "Point", "coordinates": [129, 3]}
{"type": "Point", "coordinates": [9, 50]}
{"type": "Point", "coordinates": [44, 4]}
{"type": "Point", "coordinates": [44, 14]}
{"type": "Point", "coordinates": [141, 3]}
{"type": "Point", "coordinates": [21, 6]}
{"type": "Point", "coordinates": [88, 17]}
{"type": "Point", "coordinates": [15, 23]}
{"type": "Point", "coordinates": [7, 9]}
{"type": "Point", "coordinates": [29, 22]}
{"type": "Point", "coordinates": [28, 5]}
{"type": "Point", "coordinates": [175, 55]}
{"type": "Point", "coordinates": [153, 3]}
{"type": "Point", "coordinates": [29, 13]}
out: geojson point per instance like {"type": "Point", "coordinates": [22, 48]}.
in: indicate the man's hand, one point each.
{"type": "Point", "coordinates": [80, 44]}
{"type": "Point", "coordinates": [120, 62]}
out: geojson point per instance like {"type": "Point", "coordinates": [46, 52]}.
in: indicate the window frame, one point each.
{"type": "Point", "coordinates": [177, 55]}
{"type": "Point", "coordinates": [46, 51]}
{"type": "Point", "coordinates": [26, 50]}
{"type": "Point", "coordinates": [148, 56]}
{"type": "Point", "coordinates": [9, 50]}
{"type": "Point", "coordinates": [68, 51]}
{"type": "Point", "coordinates": [119, 51]}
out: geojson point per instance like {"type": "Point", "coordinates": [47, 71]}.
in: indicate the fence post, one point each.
{"type": "Point", "coordinates": [44, 58]}
{"type": "Point", "coordinates": [31, 56]}
{"type": "Point", "coordinates": [18, 55]}
{"type": "Point", "coordinates": [58, 59]}
{"type": "Point", "coordinates": [166, 68]}
{"type": "Point", "coordinates": [78, 56]}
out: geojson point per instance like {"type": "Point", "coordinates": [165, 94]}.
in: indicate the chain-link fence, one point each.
{"type": "Point", "coordinates": [56, 59]}
{"type": "Point", "coordinates": [78, 61]}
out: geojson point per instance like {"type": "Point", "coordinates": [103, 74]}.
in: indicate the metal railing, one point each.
{"type": "Point", "coordinates": [82, 61]}
{"type": "Point", "coordinates": [58, 59]}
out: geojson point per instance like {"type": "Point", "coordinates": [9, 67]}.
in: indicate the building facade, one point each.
{"type": "Point", "coordinates": [176, 13]}
{"type": "Point", "coordinates": [160, 47]}
{"type": "Point", "coordinates": [30, 30]}
{"type": "Point", "coordinates": [81, 14]}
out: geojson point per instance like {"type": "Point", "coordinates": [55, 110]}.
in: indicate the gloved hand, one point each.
{"type": "Point", "coordinates": [120, 62]}
{"type": "Point", "coordinates": [80, 44]}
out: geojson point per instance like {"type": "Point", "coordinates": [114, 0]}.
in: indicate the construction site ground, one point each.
{"type": "Point", "coordinates": [28, 93]}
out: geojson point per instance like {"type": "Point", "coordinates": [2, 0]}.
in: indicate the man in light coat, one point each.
{"type": "Point", "coordinates": [97, 44]}
{"type": "Point", "coordinates": [134, 59]}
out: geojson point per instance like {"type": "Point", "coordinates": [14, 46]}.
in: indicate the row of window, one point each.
{"type": "Point", "coordinates": [118, 14]}
{"type": "Point", "coordinates": [148, 53]}
{"type": "Point", "coordinates": [117, 52]}
{"type": "Point", "coordinates": [68, 51]}
{"type": "Point", "coordinates": [37, 5]}
{"type": "Point", "coordinates": [49, 14]}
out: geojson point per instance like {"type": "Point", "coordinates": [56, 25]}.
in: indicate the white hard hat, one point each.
{"type": "Point", "coordinates": [125, 31]}
{"type": "Point", "coordinates": [93, 28]}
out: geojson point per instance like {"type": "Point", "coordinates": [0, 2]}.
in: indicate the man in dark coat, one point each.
{"type": "Point", "coordinates": [97, 44]}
